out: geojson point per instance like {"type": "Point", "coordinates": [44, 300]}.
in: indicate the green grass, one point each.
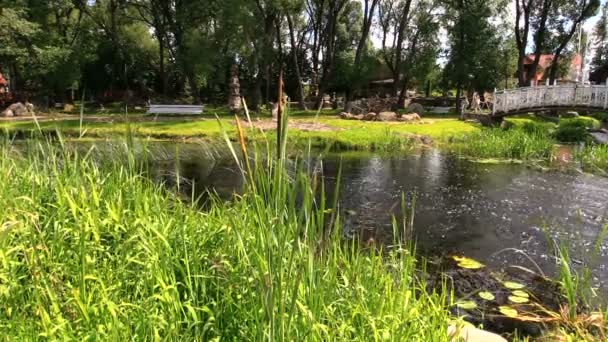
{"type": "Point", "coordinates": [340, 134]}
{"type": "Point", "coordinates": [92, 250]}
{"type": "Point", "coordinates": [594, 159]}
{"type": "Point", "coordinates": [515, 144]}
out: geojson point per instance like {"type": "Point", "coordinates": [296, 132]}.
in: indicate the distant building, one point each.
{"type": "Point", "coordinates": [575, 74]}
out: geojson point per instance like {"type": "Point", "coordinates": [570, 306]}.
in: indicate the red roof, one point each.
{"type": "Point", "coordinates": [3, 81]}
{"type": "Point", "coordinates": [545, 62]}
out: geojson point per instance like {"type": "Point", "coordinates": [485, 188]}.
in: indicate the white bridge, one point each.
{"type": "Point", "coordinates": [539, 98]}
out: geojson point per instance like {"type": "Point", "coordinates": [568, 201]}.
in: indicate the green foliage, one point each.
{"type": "Point", "coordinates": [93, 250]}
{"type": "Point", "coordinates": [514, 144]}
{"type": "Point", "coordinates": [575, 129]}
{"type": "Point", "coordinates": [594, 158]}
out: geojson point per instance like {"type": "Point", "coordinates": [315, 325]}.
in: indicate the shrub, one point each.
{"type": "Point", "coordinates": [575, 130]}
{"type": "Point", "coordinates": [510, 144]}
{"type": "Point", "coordinates": [583, 121]}
{"type": "Point", "coordinates": [600, 116]}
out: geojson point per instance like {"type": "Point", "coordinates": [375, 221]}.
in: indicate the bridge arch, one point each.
{"type": "Point", "coordinates": [532, 99]}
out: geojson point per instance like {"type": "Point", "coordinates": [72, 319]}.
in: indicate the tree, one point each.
{"type": "Point", "coordinates": [414, 47]}
{"type": "Point", "coordinates": [569, 16]}
{"type": "Point", "coordinates": [369, 8]}
{"type": "Point", "coordinates": [523, 11]}
{"type": "Point", "coordinates": [474, 55]}
{"type": "Point", "coordinates": [599, 63]}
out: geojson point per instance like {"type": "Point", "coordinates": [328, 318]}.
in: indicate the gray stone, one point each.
{"type": "Point", "coordinates": [410, 117]}
{"type": "Point", "coordinates": [371, 116]}
{"type": "Point", "coordinates": [415, 108]}
{"type": "Point", "coordinates": [387, 116]}
{"type": "Point", "coordinates": [472, 334]}
{"type": "Point", "coordinates": [7, 113]}
{"type": "Point", "coordinates": [346, 116]}
{"type": "Point", "coordinates": [30, 107]}
{"type": "Point", "coordinates": [18, 109]}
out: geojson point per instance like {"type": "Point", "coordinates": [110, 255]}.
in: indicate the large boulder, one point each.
{"type": "Point", "coordinates": [7, 113]}
{"type": "Point", "coordinates": [410, 117]}
{"type": "Point", "coordinates": [371, 116]}
{"type": "Point", "coordinates": [388, 116]}
{"type": "Point", "coordinates": [29, 107]}
{"type": "Point", "coordinates": [347, 116]}
{"type": "Point", "coordinates": [18, 109]}
{"type": "Point", "coordinates": [415, 108]}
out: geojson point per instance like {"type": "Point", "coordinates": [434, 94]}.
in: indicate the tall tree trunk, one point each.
{"type": "Point", "coordinates": [399, 47]}
{"type": "Point", "coordinates": [540, 37]}
{"type": "Point", "coordinates": [521, 38]}
{"type": "Point", "coordinates": [368, 16]}
{"type": "Point", "coordinates": [296, 64]}
{"type": "Point", "coordinates": [162, 72]}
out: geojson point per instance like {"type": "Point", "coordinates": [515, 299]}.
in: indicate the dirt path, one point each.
{"type": "Point", "coordinates": [307, 126]}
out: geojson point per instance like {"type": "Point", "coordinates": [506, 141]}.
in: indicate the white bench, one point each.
{"type": "Point", "coordinates": [175, 109]}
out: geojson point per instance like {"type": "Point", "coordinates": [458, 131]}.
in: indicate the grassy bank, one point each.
{"type": "Point", "coordinates": [333, 132]}
{"type": "Point", "coordinates": [93, 250]}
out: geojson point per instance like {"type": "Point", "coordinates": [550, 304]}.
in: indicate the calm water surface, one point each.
{"type": "Point", "coordinates": [484, 211]}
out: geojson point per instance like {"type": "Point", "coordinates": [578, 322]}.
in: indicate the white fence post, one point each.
{"type": "Point", "coordinates": [494, 103]}
{"type": "Point", "coordinates": [606, 95]}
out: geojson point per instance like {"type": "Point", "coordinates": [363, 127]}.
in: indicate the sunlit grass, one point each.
{"type": "Point", "coordinates": [91, 249]}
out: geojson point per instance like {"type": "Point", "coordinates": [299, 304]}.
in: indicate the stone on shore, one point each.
{"type": "Point", "coordinates": [472, 334]}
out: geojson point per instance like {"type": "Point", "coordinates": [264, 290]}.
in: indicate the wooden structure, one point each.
{"type": "Point", "coordinates": [541, 98]}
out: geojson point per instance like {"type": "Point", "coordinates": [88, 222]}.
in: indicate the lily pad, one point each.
{"type": "Point", "coordinates": [467, 305]}
{"type": "Point", "coordinates": [486, 295]}
{"type": "Point", "coordinates": [520, 293]}
{"type": "Point", "coordinates": [468, 263]}
{"type": "Point", "coordinates": [518, 300]}
{"type": "Point", "coordinates": [511, 285]}
{"type": "Point", "coordinates": [508, 311]}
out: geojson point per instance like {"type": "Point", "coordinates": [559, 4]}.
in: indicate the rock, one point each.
{"type": "Point", "coordinates": [570, 115]}
{"type": "Point", "coordinates": [30, 107]}
{"type": "Point", "coordinates": [346, 116]}
{"type": "Point", "coordinates": [18, 109]}
{"type": "Point", "coordinates": [387, 116]}
{"type": "Point", "coordinates": [410, 117]}
{"type": "Point", "coordinates": [415, 108]}
{"type": "Point", "coordinates": [359, 117]}
{"type": "Point", "coordinates": [7, 113]}
{"type": "Point", "coordinates": [371, 116]}
{"type": "Point", "coordinates": [472, 334]}
{"type": "Point", "coordinates": [357, 110]}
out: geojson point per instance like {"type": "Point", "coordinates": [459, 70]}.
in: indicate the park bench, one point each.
{"type": "Point", "coordinates": [175, 109]}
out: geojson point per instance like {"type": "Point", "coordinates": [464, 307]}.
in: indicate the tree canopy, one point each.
{"type": "Point", "coordinates": [178, 49]}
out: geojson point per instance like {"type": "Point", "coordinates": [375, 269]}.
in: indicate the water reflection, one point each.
{"type": "Point", "coordinates": [461, 207]}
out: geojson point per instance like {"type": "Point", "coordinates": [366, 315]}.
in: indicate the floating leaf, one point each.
{"type": "Point", "coordinates": [508, 311]}
{"type": "Point", "coordinates": [518, 300]}
{"type": "Point", "coordinates": [513, 285]}
{"type": "Point", "coordinates": [468, 305]}
{"type": "Point", "coordinates": [520, 293]}
{"type": "Point", "coordinates": [486, 295]}
{"type": "Point", "coordinates": [468, 263]}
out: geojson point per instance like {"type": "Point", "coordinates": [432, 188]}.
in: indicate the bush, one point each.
{"type": "Point", "coordinates": [511, 144]}
{"type": "Point", "coordinates": [575, 130]}
{"type": "Point", "coordinates": [583, 121]}
{"type": "Point", "coordinates": [600, 116]}
{"type": "Point", "coordinates": [530, 126]}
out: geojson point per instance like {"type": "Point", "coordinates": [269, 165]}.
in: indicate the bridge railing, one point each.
{"type": "Point", "coordinates": [514, 100]}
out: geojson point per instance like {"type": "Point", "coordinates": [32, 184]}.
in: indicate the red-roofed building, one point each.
{"type": "Point", "coordinates": [575, 73]}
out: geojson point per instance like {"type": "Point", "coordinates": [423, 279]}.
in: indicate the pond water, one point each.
{"type": "Point", "coordinates": [484, 211]}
